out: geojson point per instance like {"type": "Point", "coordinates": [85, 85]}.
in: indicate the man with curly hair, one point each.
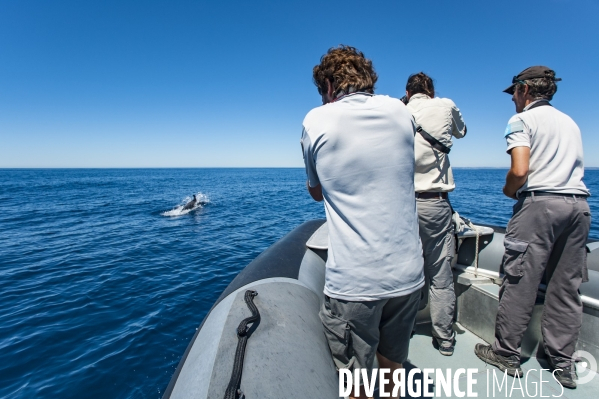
{"type": "Point", "coordinates": [547, 234]}
{"type": "Point", "coordinates": [359, 156]}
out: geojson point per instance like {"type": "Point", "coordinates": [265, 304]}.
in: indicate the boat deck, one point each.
{"type": "Point", "coordinates": [424, 355]}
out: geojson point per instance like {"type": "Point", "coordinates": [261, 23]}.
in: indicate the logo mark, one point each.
{"type": "Point", "coordinates": [585, 364]}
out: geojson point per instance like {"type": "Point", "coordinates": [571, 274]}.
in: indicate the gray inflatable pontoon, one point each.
{"type": "Point", "coordinates": [287, 354]}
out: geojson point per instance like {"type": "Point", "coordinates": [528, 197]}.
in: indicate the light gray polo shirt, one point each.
{"type": "Point", "coordinates": [360, 149]}
{"type": "Point", "coordinates": [556, 159]}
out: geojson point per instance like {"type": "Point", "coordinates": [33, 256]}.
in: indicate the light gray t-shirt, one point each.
{"type": "Point", "coordinates": [556, 159]}
{"type": "Point", "coordinates": [360, 149]}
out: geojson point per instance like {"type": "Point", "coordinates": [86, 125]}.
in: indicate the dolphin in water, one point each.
{"type": "Point", "coordinates": [191, 204]}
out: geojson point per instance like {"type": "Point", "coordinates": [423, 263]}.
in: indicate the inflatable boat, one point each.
{"type": "Point", "coordinates": [263, 337]}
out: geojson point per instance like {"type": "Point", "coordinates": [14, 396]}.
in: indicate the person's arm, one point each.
{"type": "Point", "coordinates": [315, 192]}
{"type": "Point", "coordinates": [518, 173]}
{"type": "Point", "coordinates": [459, 129]}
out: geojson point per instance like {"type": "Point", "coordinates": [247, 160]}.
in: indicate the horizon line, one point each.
{"type": "Point", "coordinates": [215, 167]}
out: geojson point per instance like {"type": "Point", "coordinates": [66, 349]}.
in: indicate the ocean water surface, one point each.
{"type": "Point", "coordinates": [104, 278]}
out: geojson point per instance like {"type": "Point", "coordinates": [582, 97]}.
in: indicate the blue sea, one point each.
{"type": "Point", "coordinates": [104, 278]}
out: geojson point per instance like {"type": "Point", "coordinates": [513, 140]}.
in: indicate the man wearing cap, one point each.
{"type": "Point", "coordinates": [546, 236]}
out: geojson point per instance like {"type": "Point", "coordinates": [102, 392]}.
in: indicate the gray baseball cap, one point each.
{"type": "Point", "coordinates": [532, 72]}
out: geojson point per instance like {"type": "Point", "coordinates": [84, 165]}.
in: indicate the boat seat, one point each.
{"type": "Point", "coordinates": [320, 238]}
{"type": "Point", "coordinates": [482, 231]}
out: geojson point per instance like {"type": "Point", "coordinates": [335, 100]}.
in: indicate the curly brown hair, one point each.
{"type": "Point", "coordinates": [345, 67]}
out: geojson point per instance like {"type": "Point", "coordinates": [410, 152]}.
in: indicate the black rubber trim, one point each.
{"type": "Point", "coordinates": [282, 259]}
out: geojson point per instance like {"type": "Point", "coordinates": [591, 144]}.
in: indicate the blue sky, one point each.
{"type": "Point", "coordinates": [227, 83]}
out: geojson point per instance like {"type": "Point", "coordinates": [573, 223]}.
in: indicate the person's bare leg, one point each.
{"type": "Point", "coordinates": [362, 393]}
{"type": "Point", "coordinates": [385, 363]}
{"type": "Point", "coordinates": [362, 396]}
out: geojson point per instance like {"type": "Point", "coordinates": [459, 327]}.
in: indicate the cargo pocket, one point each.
{"type": "Point", "coordinates": [450, 247]}
{"type": "Point", "coordinates": [512, 259]}
{"type": "Point", "coordinates": [337, 332]}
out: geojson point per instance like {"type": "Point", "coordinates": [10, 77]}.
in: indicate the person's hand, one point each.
{"type": "Point", "coordinates": [508, 194]}
{"type": "Point", "coordinates": [315, 192]}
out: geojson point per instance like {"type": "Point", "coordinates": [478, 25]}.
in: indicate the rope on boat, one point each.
{"type": "Point", "coordinates": [244, 331]}
{"type": "Point", "coordinates": [473, 227]}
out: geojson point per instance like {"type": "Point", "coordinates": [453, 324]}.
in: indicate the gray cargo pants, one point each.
{"type": "Point", "coordinates": [438, 247]}
{"type": "Point", "coordinates": [546, 236]}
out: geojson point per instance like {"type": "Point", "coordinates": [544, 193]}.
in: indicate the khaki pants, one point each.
{"type": "Point", "coordinates": [546, 237]}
